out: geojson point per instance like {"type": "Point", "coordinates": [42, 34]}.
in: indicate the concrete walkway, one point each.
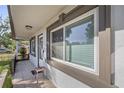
{"type": "Point", "coordinates": [24, 79]}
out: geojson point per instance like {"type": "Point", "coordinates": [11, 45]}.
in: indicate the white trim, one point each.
{"type": "Point", "coordinates": [81, 67]}
{"type": "Point", "coordinates": [96, 42]}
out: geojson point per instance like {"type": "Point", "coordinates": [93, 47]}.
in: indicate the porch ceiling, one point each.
{"type": "Point", "coordinates": [36, 16]}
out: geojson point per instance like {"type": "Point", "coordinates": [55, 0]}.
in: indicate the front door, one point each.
{"type": "Point", "coordinates": [40, 50]}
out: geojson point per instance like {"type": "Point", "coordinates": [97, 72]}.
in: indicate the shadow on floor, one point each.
{"type": "Point", "coordinates": [24, 79]}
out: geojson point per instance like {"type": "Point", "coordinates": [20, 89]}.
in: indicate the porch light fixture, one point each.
{"type": "Point", "coordinates": [28, 27]}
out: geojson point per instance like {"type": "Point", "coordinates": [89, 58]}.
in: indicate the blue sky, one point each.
{"type": "Point", "coordinates": [3, 11]}
{"type": "Point", "coordinates": [79, 33]}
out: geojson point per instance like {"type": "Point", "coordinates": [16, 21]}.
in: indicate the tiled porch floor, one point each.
{"type": "Point", "coordinates": [24, 79]}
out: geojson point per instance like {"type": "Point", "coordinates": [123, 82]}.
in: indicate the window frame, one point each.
{"type": "Point", "coordinates": [94, 12]}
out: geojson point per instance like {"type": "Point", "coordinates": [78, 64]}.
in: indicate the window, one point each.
{"type": "Point", "coordinates": [57, 44]}
{"type": "Point", "coordinates": [79, 42]}
{"type": "Point", "coordinates": [41, 47]}
{"type": "Point", "coordinates": [32, 46]}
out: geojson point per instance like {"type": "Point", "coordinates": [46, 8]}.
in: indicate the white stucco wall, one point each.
{"type": "Point", "coordinates": [59, 78]}
{"type": "Point", "coordinates": [42, 62]}
{"type": "Point", "coordinates": [34, 60]}
{"type": "Point", "coordinates": [62, 80]}
{"type": "Point", "coordinates": [117, 18]}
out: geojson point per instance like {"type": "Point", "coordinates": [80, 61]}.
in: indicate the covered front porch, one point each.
{"type": "Point", "coordinates": [57, 34]}
{"type": "Point", "coordinates": [23, 77]}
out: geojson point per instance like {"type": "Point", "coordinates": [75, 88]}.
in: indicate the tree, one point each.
{"type": "Point", "coordinates": [6, 40]}
{"type": "Point", "coordinates": [4, 25]}
{"type": "Point", "coordinates": [5, 36]}
{"type": "Point", "coordinates": [90, 33]}
{"type": "Point", "coordinates": [23, 52]}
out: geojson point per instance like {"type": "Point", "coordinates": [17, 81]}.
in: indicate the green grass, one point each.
{"type": "Point", "coordinates": [8, 81]}
{"type": "Point", "coordinates": [1, 69]}
{"type": "Point", "coordinates": [5, 63]}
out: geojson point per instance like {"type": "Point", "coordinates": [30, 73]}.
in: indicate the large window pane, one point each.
{"type": "Point", "coordinates": [57, 44]}
{"type": "Point", "coordinates": [41, 47]}
{"type": "Point", "coordinates": [79, 42]}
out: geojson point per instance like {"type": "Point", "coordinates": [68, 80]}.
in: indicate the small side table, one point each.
{"type": "Point", "coordinates": [38, 70]}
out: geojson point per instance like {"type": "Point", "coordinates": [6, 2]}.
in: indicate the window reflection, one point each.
{"type": "Point", "coordinates": [79, 38]}
{"type": "Point", "coordinates": [32, 46]}
{"type": "Point", "coordinates": [57, 44]}
{"type": "Point", "coordinates": [41, 47]}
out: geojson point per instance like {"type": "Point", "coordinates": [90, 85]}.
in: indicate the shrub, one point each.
{"type": "Point", "coordinates": [23, 52]}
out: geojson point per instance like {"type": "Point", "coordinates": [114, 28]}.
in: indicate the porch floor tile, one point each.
{"type": "Point", "coordinates": [24, 79]}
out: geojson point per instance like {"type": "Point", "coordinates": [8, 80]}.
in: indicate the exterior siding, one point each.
{"type": "Point", "coordinates": [59, 78]}
{"type": "Point", "coordinates": [62, 80]}
{"type": "Point", "coordinates": [33, 60]}
{"type": "Point", "coordinates": [52, 73]}
{"type": "Point", "coordinates": [111, 49]}
{"type": "Point", "coordinates": [117, 20]}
